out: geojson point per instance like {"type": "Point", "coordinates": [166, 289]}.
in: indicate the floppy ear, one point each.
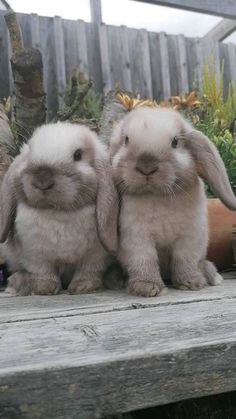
{"type": "Point", "coordinates": [107, 206]}
{"type": "Point", "coordinates": [8, 199]}
{"type": "Point", "coordinates": [211, 167]}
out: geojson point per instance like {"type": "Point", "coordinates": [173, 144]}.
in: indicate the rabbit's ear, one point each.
{"type": "Point", "coordinates": [8, 196]}
{"type": "Point", "coordinates": [211, 167]}
{"type": "Point", "coordinates": [107, 206]}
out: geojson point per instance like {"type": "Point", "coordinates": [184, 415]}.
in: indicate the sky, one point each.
{"type": "Point", "coordinates": [126, 12]}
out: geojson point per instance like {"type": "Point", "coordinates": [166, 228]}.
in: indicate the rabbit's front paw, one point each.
{"type": "Point", "coordinates": [19, 284]}
{"type": "Point", "coordinates": [48, 285]}
{"type": "Point", "coordinates": [84, 286]}
{"type": "Point", "coordinates": [190, 282]}
{"type": "Point", "coordinates": [146, 288]}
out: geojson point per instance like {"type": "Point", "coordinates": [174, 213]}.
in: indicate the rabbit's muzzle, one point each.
{"type": "Point", "coordinates": [147, 164]}
{"type": "Point", "coordinates": [43, 179]}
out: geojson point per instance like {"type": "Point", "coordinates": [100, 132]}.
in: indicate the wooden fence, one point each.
{"type": "Point", "coordinates": [153, 64]}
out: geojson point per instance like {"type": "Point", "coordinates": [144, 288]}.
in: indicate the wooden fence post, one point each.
{"type": "Point", "coordinates": [96, 11]}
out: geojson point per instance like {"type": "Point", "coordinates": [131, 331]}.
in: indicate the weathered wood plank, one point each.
{"type": "Point", "coordinates": [15, 309]}
{"type": "Point", "coordinates": [25, 25]}
{"type": "Point", "coordinates": [173, 67]}
{"type": "Point", "coordinates": [140, 64]}
{"type": "Point", "coordinates": [232, 61]}
{"type": "Point", "coordinates": [4, 60]}
{"type": "Point", "coordinates": [82, 46]}
{"type": "Point", "coordinates": [222, 30]}
{"type": "Point", "coordinates": [34, 22]}
{"type": "Point", "coordinates": [92, 365]}
{"type": "Point", "coordinates": [155, 60]}
{"type": "Point", "coordinates": [96, 11]}
{"type": "Point", "coordinates": [165, 67]}
{"type": "Point", "coordinates": [49, 63]}
{"type": "Point", "coordinates": [182, 70]}
{"type": "Point", "coordinates": [93, 52]}
{"type": "Point", "coordinates": [105, 61]}
{"type": "Point", "coordinates": [226, 8]}
{"type": "Point", "coordinates": [119, 57]}
{"type": "Point", "coordinates": [59, 54]}
{"type": "Point", "coordinates": [192, 63]}
{"type": "Point", "coordinates": [70, 47]}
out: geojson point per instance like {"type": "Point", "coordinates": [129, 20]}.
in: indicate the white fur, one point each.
{"type": "Point", "coordinates": [46, 242]}
{"type": "Point", "coordinates": [160, 234]}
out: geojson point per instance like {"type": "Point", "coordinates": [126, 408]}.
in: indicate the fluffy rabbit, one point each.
{"type": "Point", "coordinates": [157, 159]}
{"type": "Point", "coordinates": [59, 211]}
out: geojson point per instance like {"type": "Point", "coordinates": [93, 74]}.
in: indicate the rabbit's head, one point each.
{"type": "Point", "coordinates": [157, 151]}
{"type": "Point", "coordinates": [63, 167]}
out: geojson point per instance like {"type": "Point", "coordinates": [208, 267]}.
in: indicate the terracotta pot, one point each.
{"type": "Point", "coordinates": [221, 221]}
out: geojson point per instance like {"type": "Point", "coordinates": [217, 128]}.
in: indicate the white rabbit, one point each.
{"type": "Point", "coordinates": [157, 158]}
{"type": "Point", "coordinates": [58, 212]}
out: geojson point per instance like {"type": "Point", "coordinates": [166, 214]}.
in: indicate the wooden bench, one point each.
{"type": "Point", "coordinates": [94, 355]}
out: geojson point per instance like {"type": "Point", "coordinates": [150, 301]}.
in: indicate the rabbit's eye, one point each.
{"type": "Point", "coordinates": [126, 140]}
{"type": "Point", "coordinates": [174, 142]}
{"type": "Point", "coordinates": [78, 155]}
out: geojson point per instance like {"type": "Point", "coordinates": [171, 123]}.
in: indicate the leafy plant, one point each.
{"type": "Point", "coordinates": [220, 105]}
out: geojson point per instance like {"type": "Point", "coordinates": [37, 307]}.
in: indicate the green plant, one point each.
{"type": "Point", "coordinates": [80, 102]}
{"type": "Point", "coordinates": [219, 103]}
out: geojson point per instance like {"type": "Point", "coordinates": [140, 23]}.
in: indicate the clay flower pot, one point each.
{"type": "Point", "coordinates": [221, 221]}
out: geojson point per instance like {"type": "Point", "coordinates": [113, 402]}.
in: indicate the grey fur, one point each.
{"type": "Point", "coordinates": [51, 213]}
{"type": "Point", "coordinates": [163, 217]}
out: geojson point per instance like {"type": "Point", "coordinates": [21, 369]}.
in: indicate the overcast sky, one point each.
{"type": "Point", "coordinates": [125, 12]}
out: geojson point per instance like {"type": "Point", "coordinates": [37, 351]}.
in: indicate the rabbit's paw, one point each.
{"type": "Point", "coordinates": [190, 282]}
{"type": "Point", "coordinates": [49, 284]}
{"type": "Point", "coordinates": [209, 271]}
{"type": "Point", "coordinates": [146, 288]}
{"type": "Point", "coordinates": [84, 286]}
{"type": "Point", "coordinates": [19, 284]}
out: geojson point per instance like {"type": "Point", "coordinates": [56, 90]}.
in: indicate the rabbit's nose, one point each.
{"type": "Point", "coordinates": [147, 164]}
{"type": "Point", "coordinates": [146, 171]}
{"type": "Point", "coordinates": [43, 180]}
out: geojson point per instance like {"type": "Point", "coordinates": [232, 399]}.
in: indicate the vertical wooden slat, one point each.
{"type": "Point", "coordinates": [34, 22]}
{"type": "Point", "coordinates": [232, 61]}
{"type": "Point", "coordinates": [93, 52]}
{"type": "Point", "coordinates": [210, 54]}
{"type": "Point", "coordinates": [82, 48]}
{"type": "Point", "coordinates": [146, 63]}
{"type": "Point", "coordinates": [140, 62]}
{"type": "Point", "coordinates": [96, 11]}
{"type": "Point", "coordinates": [192, 63]}
{"type": "Point", "coordinates": [4, 60]}
{"type": "Point", "coordinates": [155, 60]}
{"type": "Point", "coordinates": [165, 68]}
{"type": "Point", "coordinates": [49, 63]}
{"type": "Point", "coordinates": [119, 60]}
{"type": "Point", "coordinates": [25, 25]}
{"type": "Point", "coordinates": [183, 83]}
{"type": "Point", "coordinates": [224, 57]}
{"type": "Point", "coordinates": [173, 67]}
{"type": "Point", "coordinates": [199, 62]}
{"type": "Point", "coordinates": [59, 54]}
{"type": "Point", "coordinates": [105, 61]}
{"type": "Point", "coordinates": [70, 47]}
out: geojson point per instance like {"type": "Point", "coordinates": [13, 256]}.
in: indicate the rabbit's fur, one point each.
{"type": "Point", "coordinates": [58, 212]}
{"type": "Point", "coordinates": [157, 158]}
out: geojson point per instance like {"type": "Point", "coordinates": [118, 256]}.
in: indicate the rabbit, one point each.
{"type": "Point", "coordinates": [158, 160]}
{"type": "Point", "coordinates": [58, 215]}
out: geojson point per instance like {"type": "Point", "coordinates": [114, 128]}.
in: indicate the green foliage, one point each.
{"type": "Point", "coordinates": [220, 103]}
{"type": "Point", "coordinates": [80, 101]}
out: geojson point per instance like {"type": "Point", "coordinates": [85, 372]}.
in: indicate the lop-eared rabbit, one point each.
{"type": "Point", "coordinates": [58, 212]}
{"type": "Point", "coordinates": [158, 159]}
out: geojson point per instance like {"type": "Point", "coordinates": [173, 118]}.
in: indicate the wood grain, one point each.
{"type": "Point", "coordinates": [226, 8]}
{"type": "Point", "coordinates": [130, 353]}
